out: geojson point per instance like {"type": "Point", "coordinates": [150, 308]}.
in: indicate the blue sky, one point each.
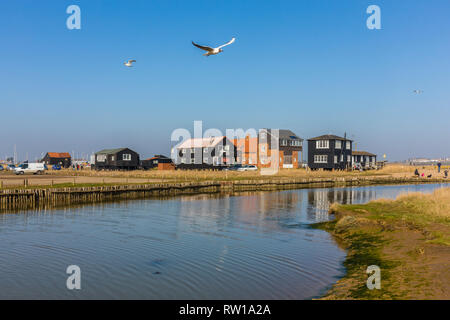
{"type": "Point", "coordinates": [309, 66]}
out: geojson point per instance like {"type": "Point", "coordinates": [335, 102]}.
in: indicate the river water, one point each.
{"type": "Point", "coordinates": [244, 246]}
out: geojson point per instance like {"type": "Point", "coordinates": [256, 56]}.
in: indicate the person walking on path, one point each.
{"type": "Point", "coordinates": [439, 166]}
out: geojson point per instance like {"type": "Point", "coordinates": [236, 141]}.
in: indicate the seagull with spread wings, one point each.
{"type": "Point", "coordinates": [129, 63]}
{"type": "Point", "coordinates": [212, 51]}
{"type": "Point", "coordinates": [418, 91]}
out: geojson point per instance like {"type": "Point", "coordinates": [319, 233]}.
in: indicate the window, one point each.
{"type": "Point", "coordinates": [322, 144]}
{"type": "Point", "coordinates": [283, 142]}
{"type": "Point", "coordinates": [349, 158]}
{"type": "Point", "coordinates": [112, 158]}
{"type": "Point", "coordinates": [296, 143]}
{"type": "Point", "coordinates": [192, 150]}
{"type": "Point", "coordinates": [126, 157]}
{"type": "Point", "coordinates": [335, 159]}
{"type": "Point", "coordinates": [321, 159]}
{"type": "Point", "coordinates": [348, 145]}
{"type": "Point", "coordinates": [338, 144]}
{"type": "Point", "coordinates": [226, 148]}
{"type": "Point", "coordinates": [101, 157]}
{"type": "Point", "coordinates": [205, 150]}
{"type": "Point", "coordinates": [342, 158]}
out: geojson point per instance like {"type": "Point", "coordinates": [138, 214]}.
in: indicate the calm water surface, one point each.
{"type": "Point", "coordinates": [247, 246]}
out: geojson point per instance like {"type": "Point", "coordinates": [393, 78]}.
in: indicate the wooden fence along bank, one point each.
{"type": "Point", "coordinates": [21, 199]}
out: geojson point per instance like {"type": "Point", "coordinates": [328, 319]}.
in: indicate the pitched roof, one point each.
{"type": "Point", "coordinates": [157, 156]}
{"type": "Point", "coordinates": [58, 154]}
{"type": "Point", "coordinates": [329, 137]}
{"type": "Point", "coordinates": [201, 142]}
{"type": "Point", "coordinates": [363, 153]}
{"type": "Point", "coordinates": [284, 134]}
{"type": "Point", "coordinates": [110, 151]}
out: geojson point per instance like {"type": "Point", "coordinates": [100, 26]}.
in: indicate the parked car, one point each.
{"type": "Point", "coordinates": [235, 167]}
{"type": "Point", "coordinates": [34, 168]}
{"type": "Point", "coordinates": [248, 167]}
{"type": "Point", "coordinates": [10, 167]}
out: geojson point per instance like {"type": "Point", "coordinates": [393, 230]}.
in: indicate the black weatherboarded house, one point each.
{"type": "Point", "coordinates": [62, 159]}
{"type": "Point", "coordinates": [329, 152]}
{"type": "Point", "coordinates": [116, 159]}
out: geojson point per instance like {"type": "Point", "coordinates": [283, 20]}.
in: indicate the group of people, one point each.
{"type": "Point", "coordinates": [77, 166]}
{"type": "Point", "coordinates": [417, 173]}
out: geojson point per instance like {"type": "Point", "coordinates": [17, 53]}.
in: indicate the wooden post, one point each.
{"type": "Point", "coordinates": [1, 184]}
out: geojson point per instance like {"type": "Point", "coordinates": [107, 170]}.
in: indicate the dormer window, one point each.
{"type": "Point", "coordinates": [338, 144]}
{"type": "Point", "coordinates": [348, 145]}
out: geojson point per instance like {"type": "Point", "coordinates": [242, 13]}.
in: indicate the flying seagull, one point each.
{"type": "Point", "coordinates": [129, 63]}
{"type": "Point", "coordinates": [418, 91]}
{"type": "Point", "coordinates": [211, 51]}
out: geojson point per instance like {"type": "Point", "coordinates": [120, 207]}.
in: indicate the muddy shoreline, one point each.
{"type": "Point", "coordinates": [411, 251]}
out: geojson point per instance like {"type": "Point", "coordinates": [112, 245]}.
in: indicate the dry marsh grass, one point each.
{"type": "Point", "coordinates": [436, 204]}
{"type": "Point", "coordinates": [197, 175]}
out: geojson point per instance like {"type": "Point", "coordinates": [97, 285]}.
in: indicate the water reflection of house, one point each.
{"type": "Point", "coordinates": [252, 209]}
{"type": "Point", "coordinates": [321, 199]}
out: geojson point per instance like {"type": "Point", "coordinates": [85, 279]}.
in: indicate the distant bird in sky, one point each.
{"type": "Point", "coordinates": [211, 51]}
{"type": "Point", "coordinates": [418, 91]}
{"type": "Point", "coordinates": [129, 63]}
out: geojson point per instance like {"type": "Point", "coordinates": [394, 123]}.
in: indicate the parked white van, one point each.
{"type": "Point", "coordinates": [34, 168]}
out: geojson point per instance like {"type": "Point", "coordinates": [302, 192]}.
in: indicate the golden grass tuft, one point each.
{"type": "Point", "coordinates": [420, 207]}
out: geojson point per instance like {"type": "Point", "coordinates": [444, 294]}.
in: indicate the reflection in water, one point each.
{"type": "Point", "coordinates": [320, 199]}
{"type": "Point", "coordinates": [242, 246]}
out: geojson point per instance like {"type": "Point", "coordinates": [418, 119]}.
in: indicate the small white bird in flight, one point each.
{"type": "Point", "coordinates": [418, 91]}
{"type": "Point", "coordinates": [212, 51]}
{"type": "Point", "coordinates": [129, 63]}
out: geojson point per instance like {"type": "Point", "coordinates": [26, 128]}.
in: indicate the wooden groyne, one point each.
{"type": "Point", "coordinates": [22, 199]}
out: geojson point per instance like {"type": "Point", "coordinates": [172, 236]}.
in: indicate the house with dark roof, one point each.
{"type": "Point", "coordinates": [329, 152]}
{"type": "Point", "coordinates": [364, 159]}
{"type": "Point", "coordinates": [158, 161]}
{"type": "Point", "coordinates": [62, 159]}
{"type": "Point", "coordinates": [287, 143]}
{"type": "Point", "coordinates": [116, 159]}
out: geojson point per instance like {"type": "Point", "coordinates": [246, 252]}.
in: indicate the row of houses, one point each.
{"type": "Point", "coordinates": [324, 152]}
{"type": "Point", "coordinates": [127, 159]}
{"type": "Point", "coordinates": [281, 147]}
{"type": "Point", "coordinates": [112, 159]}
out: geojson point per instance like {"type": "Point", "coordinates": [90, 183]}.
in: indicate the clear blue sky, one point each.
{"type": "Point", "coordinates": [309, 66]}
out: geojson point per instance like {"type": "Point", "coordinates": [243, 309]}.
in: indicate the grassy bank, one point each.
{"type": "Point", "coordinates": [79, 178]}
{"type": "Point", "coordinates": [408, 238]}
